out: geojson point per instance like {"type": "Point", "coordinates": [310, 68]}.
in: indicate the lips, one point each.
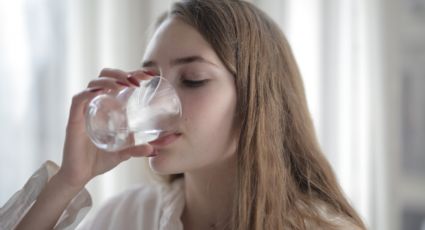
{"type": "Point", "coordinates": [165, 140]}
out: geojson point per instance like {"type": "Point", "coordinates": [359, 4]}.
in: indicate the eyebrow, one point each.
{"type": "Point", "coordinates": [180, 61]}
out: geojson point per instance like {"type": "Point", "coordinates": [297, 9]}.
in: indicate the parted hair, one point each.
{"type": "Point", "coordinates": [282, 172]}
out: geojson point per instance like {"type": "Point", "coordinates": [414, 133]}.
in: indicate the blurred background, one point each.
{"type": "Point", "coordinates": [363, 64]}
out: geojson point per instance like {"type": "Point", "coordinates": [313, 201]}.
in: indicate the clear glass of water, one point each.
{"type": "Point", "coordinates": [133, 116]}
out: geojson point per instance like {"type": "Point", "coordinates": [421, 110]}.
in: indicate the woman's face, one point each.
{"type": "Point", "coordinates": [207, 92]}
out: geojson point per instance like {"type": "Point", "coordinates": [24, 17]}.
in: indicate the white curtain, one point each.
{"type": "Point", "coordinates": [32, 86]}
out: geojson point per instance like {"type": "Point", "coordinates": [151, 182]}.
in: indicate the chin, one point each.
{"type": "Point", "coordinates": [161, 164]}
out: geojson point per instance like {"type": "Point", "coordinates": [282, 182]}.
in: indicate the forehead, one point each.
{"type": "Point", "coordinates": [175, 38]}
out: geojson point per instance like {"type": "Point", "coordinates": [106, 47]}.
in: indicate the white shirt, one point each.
{"type": "Point", "coordinates": [151, 207]}
{"type": "Point", "coordinates": [142, 207]}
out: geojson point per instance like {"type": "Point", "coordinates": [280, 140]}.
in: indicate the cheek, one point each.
{"type": "Point", "coordinates": [208, 117]}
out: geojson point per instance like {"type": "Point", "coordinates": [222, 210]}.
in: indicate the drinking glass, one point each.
{"type": "Point", "coordinates": [133, 116]}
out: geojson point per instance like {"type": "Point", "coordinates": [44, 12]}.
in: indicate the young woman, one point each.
{"type": "Point", "coordinates": [245, 155]}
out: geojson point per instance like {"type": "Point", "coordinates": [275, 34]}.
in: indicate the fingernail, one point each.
{"type": "Point", "coordinates": [122, 83]}
{"type": "Point", "coordinates": [150, 73]}
{"type": "Point", "coordinates": [95, 90]}
{"type": "Point", "coordinates": [134, 81]}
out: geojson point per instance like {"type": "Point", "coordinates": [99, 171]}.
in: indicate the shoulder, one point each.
{"type": "Point", "coordinates": [138, 206]}
{"type": "Point", "coordinates": [339, 220]}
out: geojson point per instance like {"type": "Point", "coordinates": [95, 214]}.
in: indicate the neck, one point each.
{"type": "Point", "coordinates": [209, 196]}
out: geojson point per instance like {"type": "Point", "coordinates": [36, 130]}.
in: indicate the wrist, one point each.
{"type": "Point", "coordinates": [61, 182]}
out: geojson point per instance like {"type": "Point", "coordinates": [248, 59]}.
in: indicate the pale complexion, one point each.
{"type": "Point", "coordinates": [205, 150]}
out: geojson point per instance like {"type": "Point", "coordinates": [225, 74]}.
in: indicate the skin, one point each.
{"type": "Point", "coordinates": [81, 161]}
{"type": "Point", "coordinates": [204, 150]}
{"type": "Point", "coordinates": [207, 109]}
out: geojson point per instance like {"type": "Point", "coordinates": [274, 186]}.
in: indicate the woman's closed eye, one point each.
{"type": "Point", "coordinates": [194, 83]}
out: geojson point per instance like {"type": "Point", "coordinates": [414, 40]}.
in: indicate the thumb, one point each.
{"type": "Point", "coordinates": [138, 151]}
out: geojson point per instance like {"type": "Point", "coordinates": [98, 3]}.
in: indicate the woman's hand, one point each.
{"type": "Point", "coordinates": [81, 159]}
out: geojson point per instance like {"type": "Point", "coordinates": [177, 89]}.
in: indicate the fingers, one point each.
{"type": "Point", "coordinates": [110, 160]}
{"type": "Point", "coordinates": [138, 75]}
{"type": "Point", "coordinates": [108, 83]}
{"type": "Point", "coordinates": [125, 154]}
{"type": "Point", "coordinates": [109, 80]}
{"type": "Point", "coordinates": [138, 151]}
{"type": "Point", "coordinates": [79, 102]}
{"type": "Point", "coordinates": [120, 76]}
{"type": "Point", "coordinates": [125, 78]}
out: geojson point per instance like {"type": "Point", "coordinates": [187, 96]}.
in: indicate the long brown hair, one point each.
{"type": "Point", "coordinates": [282, 173]}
